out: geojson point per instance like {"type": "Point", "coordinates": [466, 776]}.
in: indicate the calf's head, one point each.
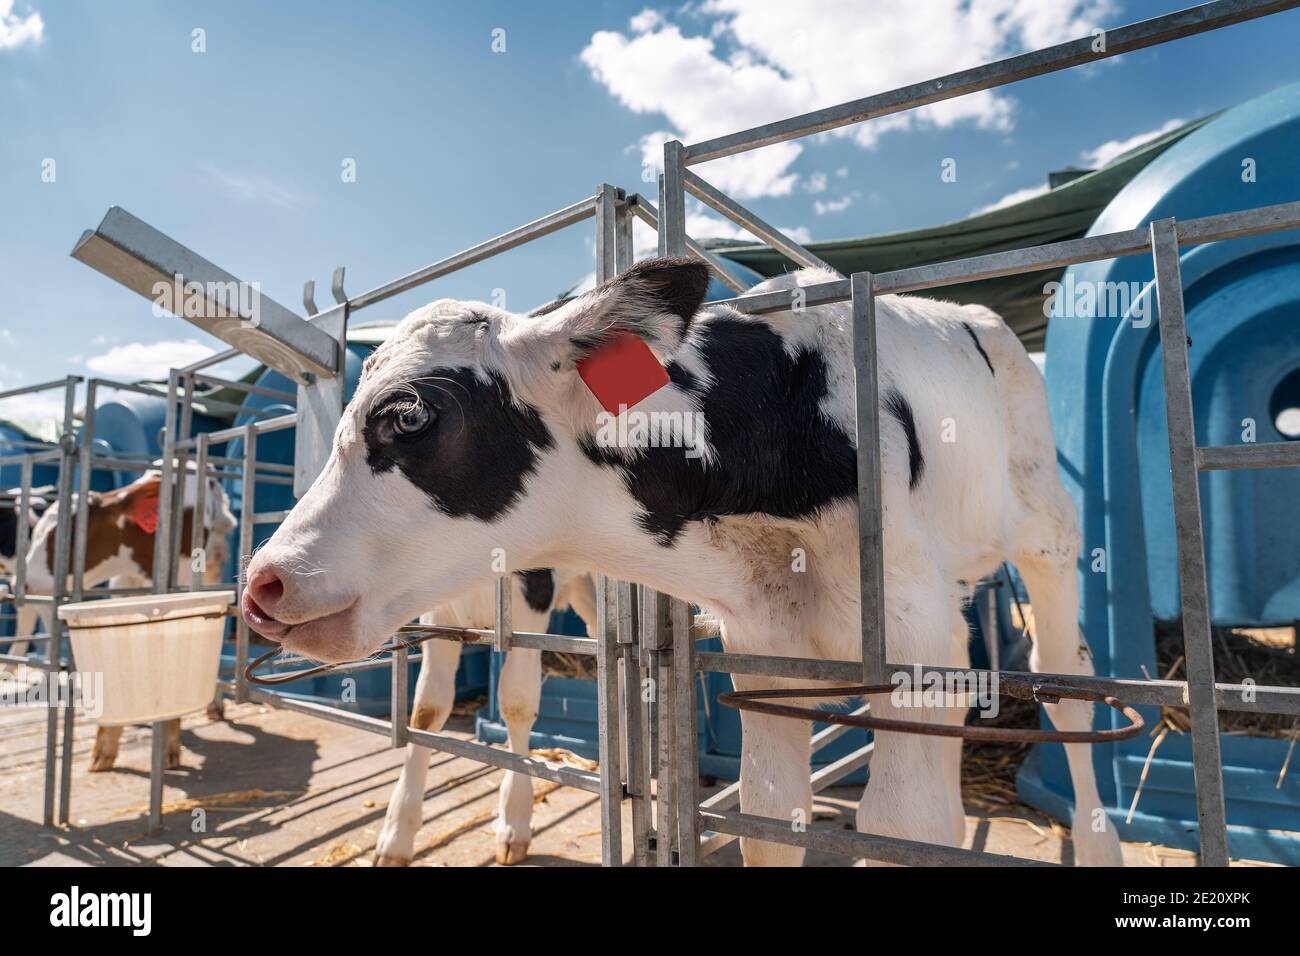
{"type": "Point", "coordinates": [456, 460]}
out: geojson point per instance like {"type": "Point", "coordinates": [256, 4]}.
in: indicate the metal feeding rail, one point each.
{"type": "Point", "coordinates": [644, 637]}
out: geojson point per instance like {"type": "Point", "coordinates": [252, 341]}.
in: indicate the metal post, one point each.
{"type": "Point", "coordinates": [84, 474]}
{"type": "Point", "coordinates": [636, 773]}
{"type": "Point", "coordinates": [688, 761]}
{"type": "Point", "coordinates": [198, 527]}
{"type": "Point", "coordinates": [157, 750]}
{"type": "Point", "coordinates": [607, 719]}
{"type": "Point", "coordinates": [247, 509]}
{"type": "Point", "coordinates": [660, 666]}
{"type": "Point", "coordinates": [501, 613]}
{"type": "Point", "coordinates": [401, 681]}
{"type": "Point", "coordinates": [871, 564]}
{"type": "Point", "coordinates": [62, 549]}
{"type": "Point", "coordinates": [162, 563]}
{"type": "Point", "coordinates": [672, 202]}
{"type": "Point", "coordinates": [1197, 638]}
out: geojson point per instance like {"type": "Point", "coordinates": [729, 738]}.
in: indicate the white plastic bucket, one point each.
{"type": "Point", "coordinates": [159, 653]}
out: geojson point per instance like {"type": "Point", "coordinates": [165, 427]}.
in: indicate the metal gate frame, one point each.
{"type": "Point", "coordinates": [1162, 240]}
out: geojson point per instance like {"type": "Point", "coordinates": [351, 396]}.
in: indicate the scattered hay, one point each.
{"type": "Point", "coordinates": [565, 758]}
{"type": "Point", "coordinates": [560, 664]}
{"type": "Point", "coordinates": [1266, 656]}
{"type": "Point", "coordinates": [469, 707]}
{"type": "Point", "coordinates": [341, 854]}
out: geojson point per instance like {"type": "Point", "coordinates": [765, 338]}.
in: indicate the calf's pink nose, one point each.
{"type": "Point", "coordinates": [266, 588]}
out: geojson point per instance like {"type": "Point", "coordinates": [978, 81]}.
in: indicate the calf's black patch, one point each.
{"type": "Point", "coordinates": [8, 532]}
{"type": "Point", "coordinates": [473, 459]}
{"type": "Point", "coordinates": [776, 453]}
{"type": "Point", "coordinates": [901, 409]}
{"type": "Point", "coordinates": [979, 348]}
{"type": "Point", "coordinates": [539, 588]}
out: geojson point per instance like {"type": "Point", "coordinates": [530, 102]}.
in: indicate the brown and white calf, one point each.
{"type": "Point", "coordinates": [471, 433]}
{"type": "Point", "coordinates": [120, 528]}
{"type": "Point", "coordinates": [535, 595]}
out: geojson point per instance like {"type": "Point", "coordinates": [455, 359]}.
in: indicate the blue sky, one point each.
{"type": "Point", "coordinates": [237, 151]}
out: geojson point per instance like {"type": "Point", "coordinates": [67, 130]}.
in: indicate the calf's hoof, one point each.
{"type": "Point", "coordinates": [1093, 848]}
{"type": "Point", "coordinates": [102, 762]}
{"type": "Point", "coordinates": [216, 710]}
{"type": "Point", "coordinates": [384, 859]}
{"type": "Point", "coordinates": [508, 854]}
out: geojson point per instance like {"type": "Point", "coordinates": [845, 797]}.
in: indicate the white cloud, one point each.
{"type": "Point", "coordinates": [1103, 154]}
{"type": "Point", "coordinates": [834, 205]}
{"type": "Point", "coordinates": [254, 188]}
{"type": "Point", "coordinates": [152, 360]}
{"type": "Point", "coordinates": [15, 29]}
{"type": "Point", "coordinates": [816, 183]}
{"type": "Point", "coordinates": [762, 60]}
{"type": "Point", "coordinates": [1010, 199]}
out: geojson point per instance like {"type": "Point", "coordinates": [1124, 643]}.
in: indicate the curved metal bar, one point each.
{"type": "Point", "coordinates": [759, 701]}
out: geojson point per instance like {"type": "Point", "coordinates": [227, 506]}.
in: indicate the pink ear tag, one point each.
{"type": "Point", "coordinates": [145, 513]}
{"type": "Point", "coordinates": [622, 373]}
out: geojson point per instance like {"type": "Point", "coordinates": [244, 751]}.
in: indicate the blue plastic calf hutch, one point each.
{"type": "Point", "coordinates": [1104, 382]}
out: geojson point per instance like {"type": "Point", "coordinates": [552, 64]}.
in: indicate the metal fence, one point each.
{"type": "Point", "coordinates": [643, 635]}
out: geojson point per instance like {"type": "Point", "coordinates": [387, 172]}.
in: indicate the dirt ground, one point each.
{"type": "Point", "coordinates": [276, 789]}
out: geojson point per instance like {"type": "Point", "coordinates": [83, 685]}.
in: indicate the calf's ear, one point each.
{"type": "Point", "coordinates": [654, 300]}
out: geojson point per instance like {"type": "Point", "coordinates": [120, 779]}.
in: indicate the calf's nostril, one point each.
{"type": "Point", "coordinates": [266, 587]}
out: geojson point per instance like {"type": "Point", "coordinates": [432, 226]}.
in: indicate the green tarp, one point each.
{"type": "Point", "coordinates": [1065, 212]}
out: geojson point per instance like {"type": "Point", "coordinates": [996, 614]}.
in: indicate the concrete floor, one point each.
{"type": "Point", "coordinates": [268, 787]}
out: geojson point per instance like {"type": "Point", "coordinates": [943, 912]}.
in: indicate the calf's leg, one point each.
{"type": "Point", "coordinates": [435, 692]}
{"type": "Point", "coordinates": [774, 777]}
{"type": "Point", "coordinates": [519, 691]}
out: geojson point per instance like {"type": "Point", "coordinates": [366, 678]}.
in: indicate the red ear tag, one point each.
{"type": "Point", "coordinates": [145, 513]}
{"type": "Point", "coordinates": [622, 373]}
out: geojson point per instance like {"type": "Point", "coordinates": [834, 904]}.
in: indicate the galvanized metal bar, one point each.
{"type": "Point", "coordinates": [1262, 455]}
{"type": "Point", "coordinates": [163, 533]}
{"type": "Point", "coordinates": [400, 694]}
{"type": "Point", "coordinates": [501, 615]}
{"type": "Point", "coordinates": [198, 526]}
{"type": "Point", "coordinates": [636, 724]}
{"type": "Point", "coordinates": [687, 761]}
{"type": "Point", "coordinates": [715, 198]}
{"type": "Point", "coordinates": [246, 387]}
{"type": "Point", "coordinates": [246, 526]}
{"type": "Point", "coordinates": [607, 201]}
{"type": "Point", "coordinates": [482, 753]}
{"type": "Point", "coordinates": [130, 251]}
{"type": "Point", "coordinates": [1125, 39]}
{"type": "Point", "coordinates": [1197, 636]}
{"type": "Point", "coordinates": [544, 226]}
{"type": "Point", "coordinates": [665, 718]}
{"type": "Point", "coordinates": [157, 766]}
{"type": "Point", "coordinates": [871, 555]}
{"type": "Point", "coordinates": [1232, 697]}
{"type": "Point", "coordinates": [40, 387]}
{"type": "Point", "coordinates": [643, 209]}
{"type": "Point", "coordinates": [608, 654]}
{"type": "Point", "coordinates": [1278, 218]}
{"type": "Point", "coordinates": [23, 532]}
{"type": "Point", "coordinates": [672, 202]}
{"type": "Point", "coordinates": [851, 843]}
{"type": "Point", "coordinates": [62, 554]}
{"type": "Point", "coordinates": [82, 517]}
{"type": "Point", "coordinates": [212, 360]}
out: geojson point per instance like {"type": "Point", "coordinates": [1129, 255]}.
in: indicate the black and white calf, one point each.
{"type": "Point", "coordinates": [471, 434]}
{"type": "Point", "coordinates": [535, 595]}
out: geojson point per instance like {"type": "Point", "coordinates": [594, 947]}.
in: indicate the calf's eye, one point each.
{"type": "Point", "coordinates": [412, 419]}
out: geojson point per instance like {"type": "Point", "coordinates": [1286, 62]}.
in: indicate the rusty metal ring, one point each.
{"type": "Point", "coordinates": [759, 701]}
{"type": "Point", "coordinates": [419, 633]}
